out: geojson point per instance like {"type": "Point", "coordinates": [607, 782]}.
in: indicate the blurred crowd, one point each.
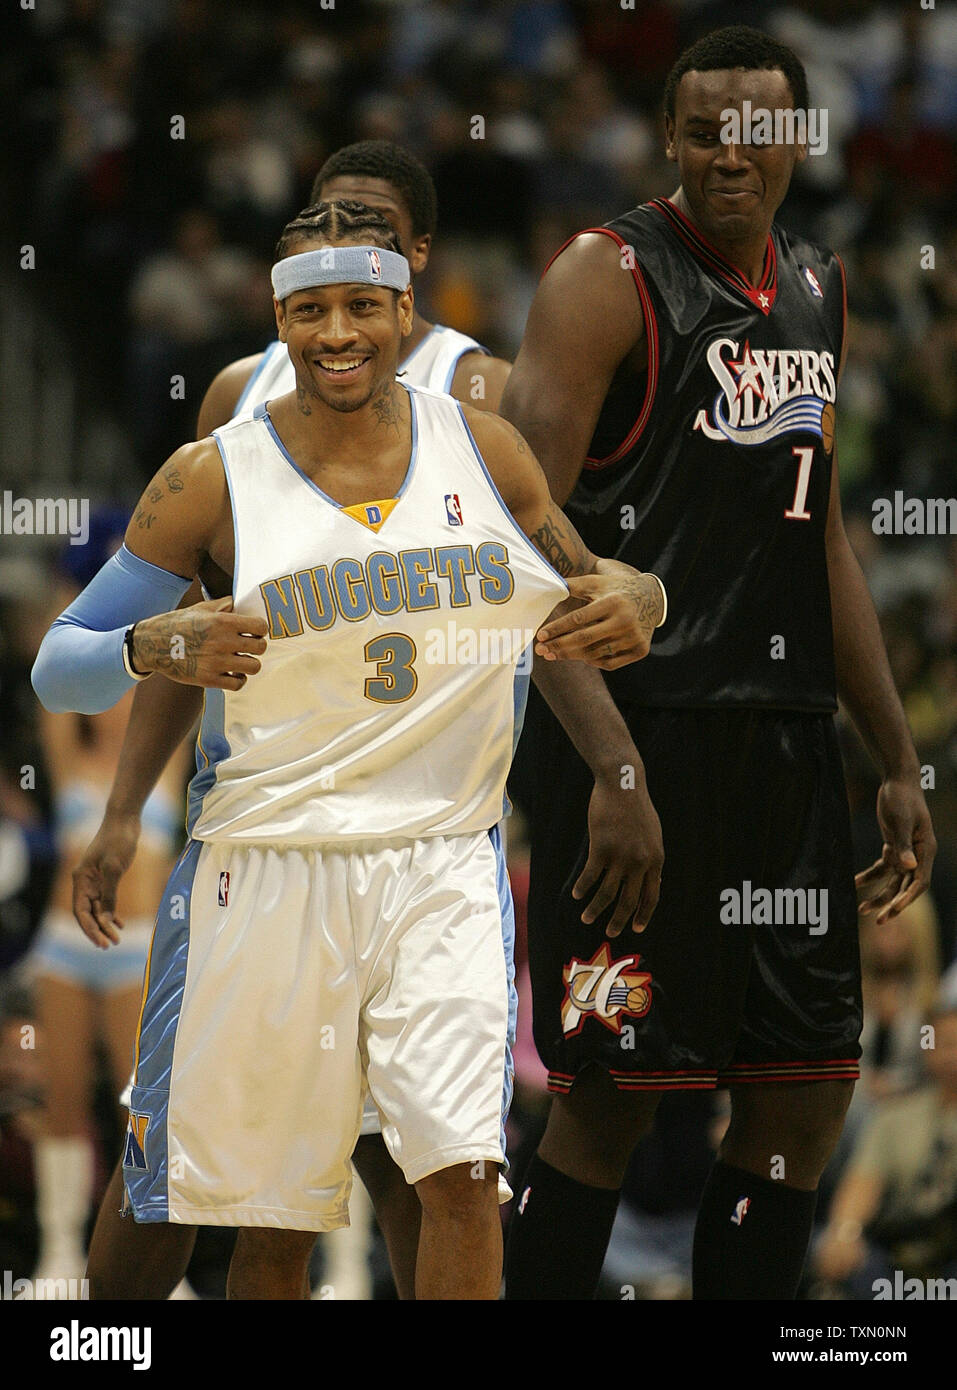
{"type": "Point", "coordinates": [154, 150]}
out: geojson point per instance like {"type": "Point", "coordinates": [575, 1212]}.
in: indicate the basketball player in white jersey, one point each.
{"type": "Point", "coordinates": [388, 178]}
{"type": "Point", "coordinates": [342, 881]}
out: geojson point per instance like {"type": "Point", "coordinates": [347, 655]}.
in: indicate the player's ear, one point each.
{"type": "Point", "coordinates": [405, 308]}
{"type": "Point", "coordinates": [418, 254]}
{"type": "Point", "coordinates": [671, 150]}
{"type": "Point", "coordinates": [279, 309]}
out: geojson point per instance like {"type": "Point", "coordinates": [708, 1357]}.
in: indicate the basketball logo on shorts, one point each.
{"type": "Point", "coordinates": [134, 1155]}
{"type": "Point", "coordinates": [453, 509]}
{"type": "Point", "coordinates": [224, 888]}
{"type": "Point", "coordinates": [375, 265]}
{"type": "Point", "coordinates": [740, 1211]}
{"type": "Point", "coordinates": [605, 989]}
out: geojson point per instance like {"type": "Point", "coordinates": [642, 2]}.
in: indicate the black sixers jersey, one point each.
{"type": "Point", "coordinates": [714, 470]}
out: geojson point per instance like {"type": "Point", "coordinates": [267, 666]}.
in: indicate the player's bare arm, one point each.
{"type": "Point", "coordinates": [183, 524]}
{"type": "Point", "coordinates": [586, 310]}
{"type": "Point", "coordinates": [866, 686]}
{"type": "Point", "coordinates": [621, 608]}
{"type": "Point", "coordinates": [585, 321]}
{"type": "Point", "coordinates": [479, 380]}
{"type": "Point", "coordinates": [163, 714]}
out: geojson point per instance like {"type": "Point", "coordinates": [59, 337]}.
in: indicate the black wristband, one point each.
{"type": "Point", "coordinates": [128, 657]}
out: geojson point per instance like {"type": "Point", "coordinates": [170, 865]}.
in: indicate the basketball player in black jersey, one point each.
{"type": "Point", "coordinates": [677, 382]}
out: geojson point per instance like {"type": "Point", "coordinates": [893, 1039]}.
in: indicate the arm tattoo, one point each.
{"type": "Point", "coordinates": [173, 478]}
{"type": "Point", "coordinates": [156, 653]}
{"type": "Point", "coordinates": [144, 520]}
{"type": "Point", "coordinates": [566, 552]}
{"type": "Point", "coordinates": [645, 591]}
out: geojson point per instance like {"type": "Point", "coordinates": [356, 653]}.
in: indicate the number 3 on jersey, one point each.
{"type": "Point", "coordinates": [394, 680]}
{"type": "Point", "coordinates": [798, 508]}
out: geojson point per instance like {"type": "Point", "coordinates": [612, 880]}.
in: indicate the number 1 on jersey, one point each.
{"type": "Point", "coordinates": [797, 511]}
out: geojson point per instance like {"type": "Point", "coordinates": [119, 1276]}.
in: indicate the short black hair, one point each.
{"type": "Point", "coordinates": [738, 46]}
{"type": "Point", "coordinates": [381, 159]}
{"type": "Point", "coordinates": [334, 222]}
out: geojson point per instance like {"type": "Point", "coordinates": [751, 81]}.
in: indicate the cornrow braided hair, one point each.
{"type": "Point", "coordinates": [335, 222]}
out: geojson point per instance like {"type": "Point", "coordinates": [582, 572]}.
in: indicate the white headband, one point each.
{"type": "Point", "coordinates": [340, 265]}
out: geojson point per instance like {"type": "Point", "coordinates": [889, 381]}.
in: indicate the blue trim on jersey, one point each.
{"type": "Point", "coordinates": [232, 508]}
{"type": "Point", "coordinates": [508, 943]}
{"type": "Point", "coordinates": [212, 747]}
{"type": "Point", "coordinates": [268, 354]}
{"type": "Point", "coordinates": [447, 388]}
{"type": "Point", "coordinates": [262, 413]}
{"type": "Point", "coordinates": [498, 497]}
{"type": "Point", "coordinates": [145, 1166]}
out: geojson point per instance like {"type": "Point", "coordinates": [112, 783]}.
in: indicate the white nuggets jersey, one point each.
{"type": "Point", "coordinates": [388, 704]}
{"type": "Point", "coordinates": [432, 364]}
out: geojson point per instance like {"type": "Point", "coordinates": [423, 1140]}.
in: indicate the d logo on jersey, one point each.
{"type": "Point", "coordinates": [604, 989]}
{"type": "Point", "coordinates": [135, 1153]}
{"type": "Point", "coordinates": [765, 393]}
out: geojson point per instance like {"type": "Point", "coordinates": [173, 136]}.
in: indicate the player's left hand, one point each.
{"type": "Point", "coordinates": [902, 873]}
{"type": "Point", "coordinates": [625, 856]}
{"type": "Point", "coordinates": [610, 626]}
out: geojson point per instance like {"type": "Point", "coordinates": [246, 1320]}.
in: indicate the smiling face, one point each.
{"type": "Point", "coordinates": [732, 191]}
{"type": "Point", "coordinates": [344, 341]}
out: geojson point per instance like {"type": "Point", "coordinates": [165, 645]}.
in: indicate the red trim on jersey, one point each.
{"type": "Point", "coordinates": [651, 337]}
{"type": "Point", "coordinates": [826, 1062]}
{"type": "Point", "coordinates": [840, 365]}
{"type": "Point", "coordinates": [767, 286]}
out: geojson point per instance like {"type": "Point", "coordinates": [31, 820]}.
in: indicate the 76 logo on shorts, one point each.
{"type": "Point", "coordinates": [604, 988]}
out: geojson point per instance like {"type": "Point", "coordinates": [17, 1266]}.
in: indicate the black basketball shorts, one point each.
{"type": "Point", "coordinates": [749, 970]}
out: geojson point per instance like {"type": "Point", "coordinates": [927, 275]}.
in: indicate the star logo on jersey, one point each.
{"type": "Point", "coordinates": [604, 989]}
{"type": "Point", "coordinates": [763, 300]}
{"type": "Point", "coordinates": [453, 509]}
{"type": "Point", "coordinates": [813, 281]}
{"type": "Point", "coordinates": [134, 1155]}
{"type": "Point", "coordinates": [375, 265]}
{"type": "Point", "coordinates": [749, 378]}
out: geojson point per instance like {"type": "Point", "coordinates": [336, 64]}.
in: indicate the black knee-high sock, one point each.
{"type": "Point", "coordinates": [558, 1236]}
{"type": "Point", "coordinates": [751, 1237]}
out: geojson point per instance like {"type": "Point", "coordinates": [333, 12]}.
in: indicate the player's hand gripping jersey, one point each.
{"type": "Point", "coordinates": [388, 701]}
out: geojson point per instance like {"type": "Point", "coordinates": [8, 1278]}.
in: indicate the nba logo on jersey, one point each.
{"type": "Point", "coordinates": [224, 888]}
{"type": "Point", "coordinates": [135, 1153]}
{"type": "Point", "coordinates": [813, 281]}
{"type": "Point", "coordinates": [375, 265]}
{"type": "Point", "coordinates": [453, 509]}
{"type": "Point", "coordinates": [373, 515]}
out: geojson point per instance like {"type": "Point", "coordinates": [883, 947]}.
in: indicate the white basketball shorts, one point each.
{"type": "Point", "coordinates": [284, 981]}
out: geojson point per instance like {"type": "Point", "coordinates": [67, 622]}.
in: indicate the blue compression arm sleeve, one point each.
{"type": "Point", "coordinates": [80, 662]}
